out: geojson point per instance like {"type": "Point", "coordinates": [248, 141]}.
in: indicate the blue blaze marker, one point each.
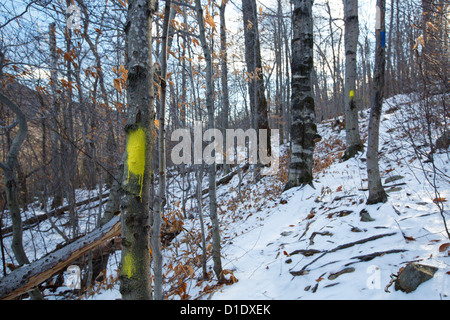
{"type": "Point", "coordinates": [383, 38]}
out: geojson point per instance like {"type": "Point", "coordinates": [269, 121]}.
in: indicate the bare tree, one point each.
{"type": "Point", "coordinates": [258, 101]}
{"type": "Point", "coordinates": [376, 191]}
{"type": "Point", "coordinates": [211, 167]}
{"type": "Point", "coordinates": [160, 199]}
{"type": "Point", "coordinates": [303, 127]}
{"type": "Point", "coordinates": [9, 169]}
{"type": "Point", "coordinates": [135, 272]}
{"type": "Point", "coordinates": [224, 75]}
{"type": "Point", "coordinates": [353, 140]}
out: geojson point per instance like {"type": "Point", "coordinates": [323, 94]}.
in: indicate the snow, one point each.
{"type": "Point", "coordinates": [258, 256]}
{"type": "Point", "coordinates": [261, 233]}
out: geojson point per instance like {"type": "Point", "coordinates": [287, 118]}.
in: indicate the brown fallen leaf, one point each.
{"type": "Point", "coordinates": [444, 247]}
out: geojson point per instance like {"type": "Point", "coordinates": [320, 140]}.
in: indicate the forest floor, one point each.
{"type": "Point", "coordinates": [320, 242]}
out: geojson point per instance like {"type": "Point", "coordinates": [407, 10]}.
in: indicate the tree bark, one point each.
{"type": "Point", "coordinates": [9, 170]}
{"type": "Point", "coordinates": [160, 199]}
{"type": "Point", "coordinates": [376, 191]}
{"type": "Point", "coordinates": [224, 77]}
{"type": "Point", "coordinates": [211, 167]}
{"type": "Point", "coordinates": [258, 102]}
{"type": "Point", "coordinates": [135, 274]}
{"type": "Point", "coordinates": [353, 140]}
{"type": "Point", "coordinates": [303, 127]}
{"type": "Point", "coordinates": [55, 109]}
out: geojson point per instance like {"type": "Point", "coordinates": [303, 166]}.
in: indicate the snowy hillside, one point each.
{"type": "Point", "coordinates": [314, 243]}
{"type": "Point", "coordinates": [295, 247]}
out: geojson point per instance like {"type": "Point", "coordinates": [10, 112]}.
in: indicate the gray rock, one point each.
{"type": "Point", "coordinates": [413, 275]}
{"type": "Point", "coordinates": [393, 178]}
{"type": "Point", "coordinates": [394, 189]}
{"type": "Point", "coordinates": [443, 142]}
{"type": "Point", "coordinates": [365, 216]}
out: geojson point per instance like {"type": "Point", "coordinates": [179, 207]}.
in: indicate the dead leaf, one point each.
{"type": "Point", "coordinates": [444, 247]}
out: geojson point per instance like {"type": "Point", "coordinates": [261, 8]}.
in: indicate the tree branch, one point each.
{"type": "Point", "coordinates": [21, 134]}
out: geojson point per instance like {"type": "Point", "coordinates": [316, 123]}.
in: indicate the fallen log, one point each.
{"type": "Point", "coordinates": [30, 276]}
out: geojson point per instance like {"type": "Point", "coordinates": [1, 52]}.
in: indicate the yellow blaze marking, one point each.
{"type": "Point", "coordinates": [352, 93]}
{"type": "Point", "coordinates": [136, 155]}
{"type": "Point", "coordinates": [128, 265]}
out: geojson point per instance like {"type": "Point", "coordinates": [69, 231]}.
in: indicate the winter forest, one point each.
{"type": "Point", "coordinates": [224, 150]}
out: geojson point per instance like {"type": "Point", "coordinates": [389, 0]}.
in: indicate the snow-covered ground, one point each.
{"type": "Point", "coordinates": [311, 242]}
{"type": "Point", "coordinates": [327, 216]}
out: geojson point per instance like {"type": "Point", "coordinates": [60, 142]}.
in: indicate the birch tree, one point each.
{"type": "Point", "coordinates": [303, 127]}
{"type": "Point", "coordinates": [135, 272]}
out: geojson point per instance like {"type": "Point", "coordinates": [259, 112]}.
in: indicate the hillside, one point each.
{"type": "Point", "coordinates": [295, 247]}
{"type": "Point", "coordinates": [320, 242]}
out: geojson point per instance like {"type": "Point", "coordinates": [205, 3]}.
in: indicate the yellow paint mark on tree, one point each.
{"type": "Point", "coordinates": [351, 94]}
{"type": "Point", "coordinates": [128, 265]}
{"type": "Point", "coordinates": [136, 155]}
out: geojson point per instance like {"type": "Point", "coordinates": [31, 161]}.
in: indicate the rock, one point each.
{"type": "Point", "coordinates": [413, 275]}
{"type": "Point", "coordinates": [365, 216]}
{"type": "Point", "coordinates": [356, 229]}
{"type": "Point", "coordinates": [393, 178]}
{"type": "Point", "coordinates": [285, 233]}
{"type": "Point", "coordinates": [394, 189]}
{"type": "Point", "coordinates": [443, 142]}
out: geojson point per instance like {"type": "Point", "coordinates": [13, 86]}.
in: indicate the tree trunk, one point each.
{"type": "Point", "coordinates": [9, 168]}
{"type": "Point", "coordinates": [353, 140]}
{"type": "Point", "coordinates": [303, 127]}
{"type": "Point", "coordinates": [258, 102]}
{"type": "Point", "coordinates": [224, 77]}
{"type": "Point", "coordinates": [211, 167]}
{"type": "Point", "coordinates": [161, 194]}
{"type": "Point", "coordinates": [55, 137]}
{"type": "Point", "coordinates": [110, 140]}
{"type": "Point", "coordinates": [376, 191]}
{"type": "Point", "coordinates": [279, 88]}
{"type": "Point", "coordinates": [135, 274]}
